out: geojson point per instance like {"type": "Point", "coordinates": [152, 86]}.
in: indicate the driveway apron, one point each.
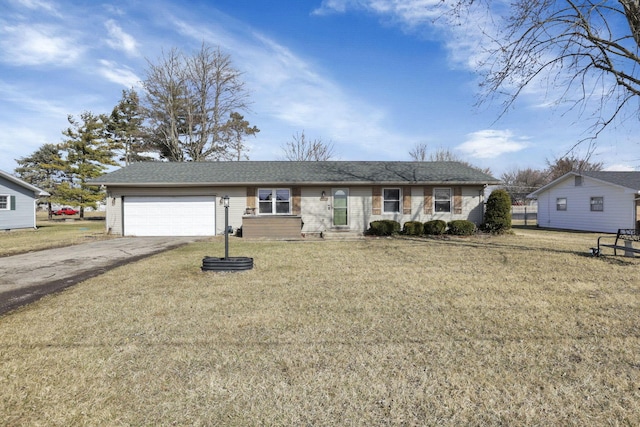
{"type": "Point", "coordinates": [27, 277]}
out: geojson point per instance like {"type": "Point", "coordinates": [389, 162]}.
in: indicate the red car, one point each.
{"type": "Point", "coordinates": [65, 211]}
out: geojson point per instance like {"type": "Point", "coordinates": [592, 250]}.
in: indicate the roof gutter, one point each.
{"type": "Point", "coordinates": [287, 183]}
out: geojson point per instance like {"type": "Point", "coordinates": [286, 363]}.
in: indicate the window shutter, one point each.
{"type": "Point", "coordinates": [295, 200]}
{"type": "Point", "coordinates": [428, 200]}
{"type": "Point", "coordinates": [251, 198]}
{"type": "Point", "coordinates": [457, 200]}
{"type": "Point", "coordinates": [406, 200]}
{"type": "Point", "coordinates": [376, 205]}
{"type": "Point", "coordinates": [12, 203]}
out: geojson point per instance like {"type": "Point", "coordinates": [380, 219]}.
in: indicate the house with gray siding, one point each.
{"type": "Point", "coordinates": [282, 199]}
{"type": "Point", "coordinates": [17, 202]}
{"type": "Point", "coordinates": [601, 201]}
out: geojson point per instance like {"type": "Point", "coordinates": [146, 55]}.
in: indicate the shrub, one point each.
{"type": "Point", "coordinates": [461, 227]}
{"type": "Point", "coordinates": [384, 227]}
{"type": "Point", "coordinates": [497, 217]}
{"type": "Point", "coordinates": [435, 227]}
{"type": "Point", "coordinates": [412, 228]}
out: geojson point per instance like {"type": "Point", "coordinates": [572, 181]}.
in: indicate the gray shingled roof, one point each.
{"type": "Point", "coordinates": [291, 173]}
{"type": "Point", "coordinates": [623, 179]}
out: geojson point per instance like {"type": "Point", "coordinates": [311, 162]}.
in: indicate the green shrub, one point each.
{"type": "Point", "coordinates": [412, 228]}
{"type": "Point", "coordinates": [497, 217]}
{"type": "Point", "coordinates": [435, 227]}
{"type": "Point", "coordinates": [384, 227]}
{"type": "Point", "coordinates": [461, 227]}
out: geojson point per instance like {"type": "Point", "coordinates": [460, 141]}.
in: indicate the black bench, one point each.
{"type": "Point", "coordinates": [626, 235]}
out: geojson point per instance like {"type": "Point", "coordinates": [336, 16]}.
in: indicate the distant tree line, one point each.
{"type": "Point", "coordinates": [518, 183]}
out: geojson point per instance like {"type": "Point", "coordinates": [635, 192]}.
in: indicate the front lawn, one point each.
{"type": "Point", "coordinates": [60, 231]}
{"type": "Point", "coordinates": [522, 329]}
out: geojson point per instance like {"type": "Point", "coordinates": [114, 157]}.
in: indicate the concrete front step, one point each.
{"type": "Point", "coordinates": [342, 235]}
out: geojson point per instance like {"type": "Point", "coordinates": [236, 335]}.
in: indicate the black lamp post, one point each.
{"type": "Point", "coordinates": [210, 263]}
{"type": "Point", "coordinates": [225, 199]}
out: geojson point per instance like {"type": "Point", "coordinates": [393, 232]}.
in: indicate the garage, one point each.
{"type": "Point", "coordinates": [169, 215]}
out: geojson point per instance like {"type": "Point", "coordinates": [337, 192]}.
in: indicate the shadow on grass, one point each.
{"type": "Point", "coordinates": [478, 244]}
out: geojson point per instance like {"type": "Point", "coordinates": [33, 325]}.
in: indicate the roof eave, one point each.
{"type": "Point", "coordinates": [283, 183]}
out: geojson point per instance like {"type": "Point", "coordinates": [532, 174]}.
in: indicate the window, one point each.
{"type": "Point", "coordinates": [391, 200]}
{"type": "Point", "coordinates": [4, 203]}
{"type": "Point", "coordinates": [597, 204]}
{"type": "Point", "coordinates": [274, 201]}
{"type": "Point", "coordinates": [578, 181]}
{"type": "Point", "coordinates": [442, 199]}
{"type": "Point", "coordinates": [561, 204]}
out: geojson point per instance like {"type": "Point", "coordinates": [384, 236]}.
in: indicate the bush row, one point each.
{"type": "Point", "coordinates": [436, 227]}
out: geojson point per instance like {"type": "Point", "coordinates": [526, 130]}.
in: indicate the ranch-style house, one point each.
{"type": "Point", "coordinates": [17, 202]}
{"type": "Point", "coordinates": [284, 199]}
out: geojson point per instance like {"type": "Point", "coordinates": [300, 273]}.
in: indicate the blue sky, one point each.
{"type": "Point", "coordinates": [372, 77]}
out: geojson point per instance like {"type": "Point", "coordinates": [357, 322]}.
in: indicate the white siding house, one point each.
{"type": "Point", "coordinates": [17, 202]}
{"type": "Point", "coordinates": [590, 201]}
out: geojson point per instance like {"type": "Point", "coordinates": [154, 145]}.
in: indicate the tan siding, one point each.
{"type": "Point", "coordinates": [277, 227]}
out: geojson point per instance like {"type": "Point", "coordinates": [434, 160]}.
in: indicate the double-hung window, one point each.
{"type": "Point", "coordinates": [442, 199]}
{"type": "Point", "coordinates": [561, 204]}
{"type": "Point", "coordinates": [391, 200]}
{"type": "Point", "coordinates": [274, 201]}
{"type": "Point", "coordinates": [4, 202]}
{"type": "Point", "coordinates": [597, 204]}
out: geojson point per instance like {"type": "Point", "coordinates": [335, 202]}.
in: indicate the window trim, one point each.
{"type": "Point", "coordinates": [274, 201]}
{"type": "Point", "coordinates": [592, 204]}
{"type": "Point", "coordinates": [8, 202]}
{"type": "Point", "coordinates": [436, 200]}
{"type": "Point", "coordinates": [558, 204]}
{"type": "Point", "coordinates": [385, 200]}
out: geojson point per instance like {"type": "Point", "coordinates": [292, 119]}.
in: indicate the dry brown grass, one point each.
{"type": "Point", "coordinates": [523, 329]}
{"type": "Point", "coordinates": [61, 231]}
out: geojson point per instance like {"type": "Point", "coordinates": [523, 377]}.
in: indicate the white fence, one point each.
{"type": "Point", "coordinates": [528, 214]}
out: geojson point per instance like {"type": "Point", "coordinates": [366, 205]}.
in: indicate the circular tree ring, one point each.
{"type": "Point", "coordinates": [227, 264]}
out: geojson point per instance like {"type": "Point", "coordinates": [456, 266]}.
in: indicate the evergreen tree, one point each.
{"type": "Point", "coordinates": [89, 152]}
{"type": "Point", "coordinates": [126, 128]}
{"type": "Point", "coordinates": [237, 128]}
{"type": "Point", "coordinates": [44, 169]}
{"type": "Point", "coordinates": [497, 217]}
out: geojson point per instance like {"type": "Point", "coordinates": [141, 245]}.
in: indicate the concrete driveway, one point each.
{"type": "Point", "coordinates": [27, 277]}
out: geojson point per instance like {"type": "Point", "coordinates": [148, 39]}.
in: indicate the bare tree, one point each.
{"type": "Point", "coordinates": [558, 167]}
{"type": "Point", "coordinates": [588, 49]}
{"type": "Point", "coordinates": [189, 100]}
{"type": "Point", "coordinates": [302, 149]}
{"type": "Point", "coordinates": [446, 155]}
{"type": "Point", "coordinates": [419, 152]}
{"type": "Point", "coordinates": [520, 182]}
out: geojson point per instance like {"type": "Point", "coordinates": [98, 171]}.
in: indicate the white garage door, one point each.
{"type": "Point", "coordinates": [169, 216]}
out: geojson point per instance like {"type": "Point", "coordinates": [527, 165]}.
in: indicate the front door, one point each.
{"type": "Point", "coordinates": [340, 207]}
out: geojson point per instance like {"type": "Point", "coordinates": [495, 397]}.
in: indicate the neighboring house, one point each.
{"type": "Point", "coordinates": [287, 199]}
{"type": "Point", "coordinates": [590, 201]}
{"type": "Point", "coordinates": [17, 202]}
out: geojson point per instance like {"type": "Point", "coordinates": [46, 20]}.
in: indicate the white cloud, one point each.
{"type": "Point", "coordinates": [296, 92]}
{"type": "Point", "coordinates": [119, 40]}
{"type": "Point", "coordinates": [490, 143]}
{"type": "Point", "coordinates": [39, 5]}
{"type": "Point", "coordinates": [37, 44]}
{"type": "Point", "coordinates": [118, 74]}
{"type": "Point", "coordinates": [22, 99]}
